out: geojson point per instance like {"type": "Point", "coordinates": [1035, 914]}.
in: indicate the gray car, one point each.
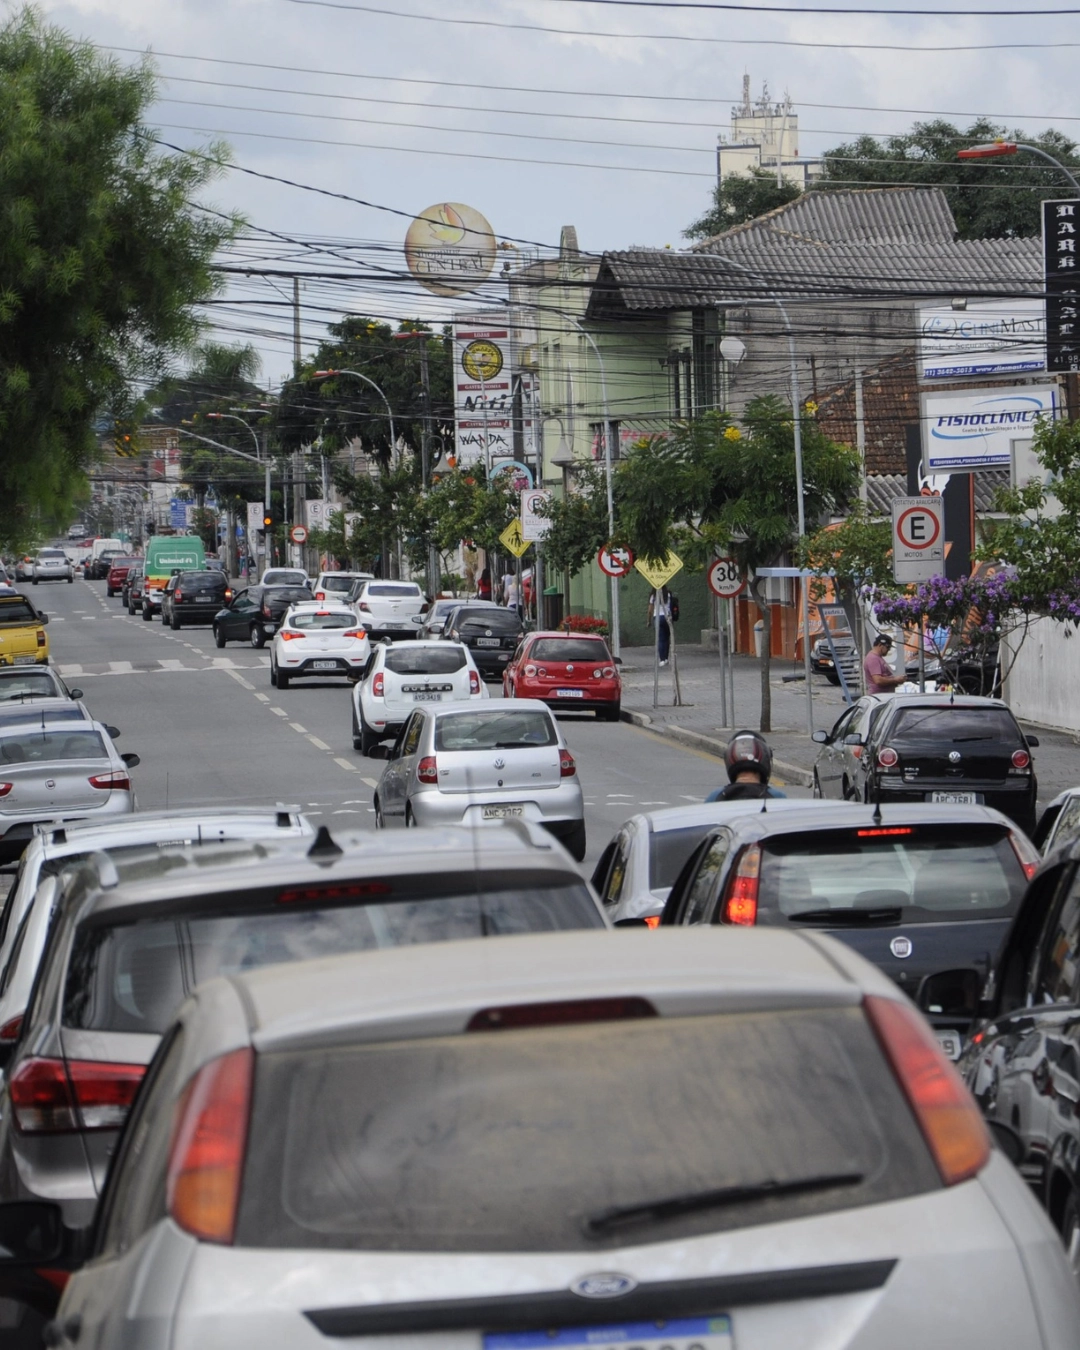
{"type": "Point", "coordinates": [474, 764]}
{"type": "Point", "coordinates": [656, 1140]}
{"type": "Point", "coordinates": [836, 769]}
{"type": "Point", "coordinates": [54, 772]}
{"type": "Point", "coordinates": [52, 564]}
{"type": "Point", "coordinates": [18, 683]}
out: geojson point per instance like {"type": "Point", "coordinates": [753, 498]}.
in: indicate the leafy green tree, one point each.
{"type": "Point", "coordinates": [710, 489]}
{"type": "Point", "coordinates": [989, 199]}
{"type": "Point", "coordinates": [579, 522]}
{"type": "Point", "coordinates": [102, 256]}
{"type": "Point", "coordinates": [741, 197]}
{"type": "Point", "coordinates": [856, 552]}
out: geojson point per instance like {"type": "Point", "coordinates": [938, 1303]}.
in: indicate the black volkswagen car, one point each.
{"type": "Point", "coordinates": [490, 633]}
{"type": "Point", "coordinates": [194, 597]}
{"type": "Point", "coordinates": [950, 751]}
{"type": "Point", "coordinates": [915, 889]}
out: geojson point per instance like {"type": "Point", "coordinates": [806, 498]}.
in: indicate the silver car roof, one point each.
{"type": "Point", "coordinates": [84, 836]}
{"type": "Point", "coordinates": [718, 813]}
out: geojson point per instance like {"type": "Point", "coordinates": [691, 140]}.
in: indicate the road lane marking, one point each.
{"type": "Point", "coordinates": [280, 712]}
{"type": "Point", "coordinates": [321, 745]}
{"type": "Point", "coordinates": [121, 667]}
{"type": "Point", "coordinates": [172, 663]}
{"type": "Point", "coordinates": [297, 727]}
{"type": "Point", "coordinates": [371, 782]}
{"type": "Point", "coordinates": [71, 670]}
{"type": "Point", "coordinates": [346, 765]}
{"type": "Point", "coordinates": [263, 698]}
{"type": "Point", "coordinates": [247, 685]}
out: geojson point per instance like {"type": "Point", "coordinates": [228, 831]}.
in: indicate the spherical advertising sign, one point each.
{"type": "Point", "coordinates": [450, 248]}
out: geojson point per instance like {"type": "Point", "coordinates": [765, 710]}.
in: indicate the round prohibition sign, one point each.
{"type": "Point", "coordinates": [298, 534]}
{"type": "Point", "coordinates": [724, 579]}
{"type": "Point", "coordinates": [913, 536]}
{"type": "Point", "coordinates": [615, 562]}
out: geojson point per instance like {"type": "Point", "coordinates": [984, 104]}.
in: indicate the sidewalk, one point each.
{"type": "Point", "coordinates": [697, 722]}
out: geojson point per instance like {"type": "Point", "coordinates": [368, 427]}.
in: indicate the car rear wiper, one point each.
{"type": "Point", "coordinates": [675, 1206]}
{"type": "Point", "coordinates": [843, 918]}
{"type": "Point", "coordinates": [517, 745]}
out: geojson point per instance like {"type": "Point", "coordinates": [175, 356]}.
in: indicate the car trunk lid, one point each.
{"type": "Point", "coordinates": [533, 769]}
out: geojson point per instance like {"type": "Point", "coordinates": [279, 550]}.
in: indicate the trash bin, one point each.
{"type": "Point", "coordinates": [759, 632]}
{"type": "Point", "coordinates": [553, 607]}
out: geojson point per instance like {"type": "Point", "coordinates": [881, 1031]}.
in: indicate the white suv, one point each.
{"type": "Point", "coordinates": [388, 608]}
{"type": "Point", "coordinates": [337, 585]}
{"type": "Point", "coordinates": [400, 676]}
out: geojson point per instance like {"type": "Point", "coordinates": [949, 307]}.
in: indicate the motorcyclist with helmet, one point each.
{"type": "Point", "coordinates": [748, 761]}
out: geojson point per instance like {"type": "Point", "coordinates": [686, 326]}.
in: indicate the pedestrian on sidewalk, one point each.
{"type": "Point", "coordinates": [748, 761]}
{"type": "Point", "coordinates": [661, 617]}
{"type": "Point", "coordinates": [483, 586]}
{"type": "Point", "coordinates": [880, 678]}
{"type": "Point", "coordinates": [510, 592]}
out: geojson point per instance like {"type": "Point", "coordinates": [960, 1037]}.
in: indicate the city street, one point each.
{"type": "Point", "coordinates": [210, 729]}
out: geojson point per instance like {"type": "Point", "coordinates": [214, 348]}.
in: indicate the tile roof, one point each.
{"type": "Point", "coordinates": [883, 488]}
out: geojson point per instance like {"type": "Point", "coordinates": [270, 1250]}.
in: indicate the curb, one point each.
{"type": "Point", "coordinates": [698, 741]}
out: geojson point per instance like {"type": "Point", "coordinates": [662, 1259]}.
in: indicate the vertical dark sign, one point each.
{"type": "Point", "coordinates": [1061, 262]}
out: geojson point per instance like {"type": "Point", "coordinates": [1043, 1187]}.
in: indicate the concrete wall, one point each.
{"type": "Point", "coordinates": [1043, 683]}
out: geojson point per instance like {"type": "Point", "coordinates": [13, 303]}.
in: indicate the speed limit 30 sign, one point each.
{"type": "Point", "coordinates": [918, 538]}
{"type": "Point", "coordinates": [725, 579]}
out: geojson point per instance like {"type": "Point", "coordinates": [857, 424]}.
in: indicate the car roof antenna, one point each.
{"type": "Point", "coordinates": [324, 846]}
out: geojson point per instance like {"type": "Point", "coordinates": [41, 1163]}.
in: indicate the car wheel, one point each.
{"type": "Point", "coordinates": [273, 675]}
{"type": "Point", "coordinates": [109, 592]}
{"type": "Point", "coordinates": [131, 609]}
{"type": "Point", "coordinates": [368, 740]}
{"type": "Point", "coordinates": [380, 822]}
{"type": "Point", "coordinates": [816, 788]}
{"type": "Point", "coordinates": [832, 677]}
{"type": "Point", "coordinates": [219, 637]}
{"type": "Point", "coordinates": [282, 679]}
{"type": "Point", "coordinates": [612, 714]}
{"type": "Point", "coordinates": [575, 842]}
{"type": "Point", "coordinates": [147, 616]}
{"type": "Point", "coordinates": [1070, 1233]}
{"type": "Point", "coordinates": [410, 819]}
{"type": "Point", "coordinates": [258, 637]}
{"type": "Point", "coordinates": [34, 582]}
{"type": "Point", "coordinates": [174, 621]}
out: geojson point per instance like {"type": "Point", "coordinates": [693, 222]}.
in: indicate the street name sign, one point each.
{"type": "Point", "coordinates": [918, 529]}
{"type": "Point", "coordinates": [659, 574]}
{"type": "Point", "coordinates": [615, 562]}
{"type": "Point", "coordinates": [725, 580]}
{"type": "Point", "coordinates": [513, 540]}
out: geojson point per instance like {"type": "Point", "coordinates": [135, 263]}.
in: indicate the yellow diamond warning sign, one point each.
{"type": "Point", "coordinates": [659, 574]}
{"type": "Point", "coordinates": [513, 540]}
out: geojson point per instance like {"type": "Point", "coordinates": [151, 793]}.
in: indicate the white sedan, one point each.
{"type": "Point", "coordinates": [317, 639]}
{"type": "Point", "coordinates": [405, 674]}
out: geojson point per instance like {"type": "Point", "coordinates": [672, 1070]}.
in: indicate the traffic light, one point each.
{"type": "Point", "coordinates": [268, 521]}
{"type": "Point", "coordinates": [124, 439]}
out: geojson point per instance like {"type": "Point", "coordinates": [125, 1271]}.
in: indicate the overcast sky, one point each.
{"type": "Point", "coordinates": [407, 142]}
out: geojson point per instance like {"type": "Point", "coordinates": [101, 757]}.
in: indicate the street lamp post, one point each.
{"type": "Point", "coordinates": [1001, 148]}
{"type": "Point", "coordinates": [231, 450]}
{"type": "Point", "coordinates": [232, 417]}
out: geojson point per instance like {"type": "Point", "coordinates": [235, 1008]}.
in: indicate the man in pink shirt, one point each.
{"type": "Point", "coordinates": [879, 674]}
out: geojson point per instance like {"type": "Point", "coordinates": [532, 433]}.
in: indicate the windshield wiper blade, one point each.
{"type": "Point", "coordinates": [675, 1206]}
{"type": "Point", "coordinates": [843, 918]}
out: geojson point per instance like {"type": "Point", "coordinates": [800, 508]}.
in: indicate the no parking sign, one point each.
{"type": "Point", "coordinates": [918, 538]}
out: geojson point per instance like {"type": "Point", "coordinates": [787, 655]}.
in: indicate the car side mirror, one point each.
{"type": "Point", "coordinates": [1007, 1140]}
{"type": "Point", "coordinates": [132, 761]}
{"type": "Point", "coordinates": [1033, 741]}
{"type": "Point", "coordinates": [43, 619]}
{"type": "Point", "coordinates": [31, 1233]}
{"type": "Point", "coordinates": [951, 993]}
{"type": "Point", "coordinates": [380, 752]}
{"type": "Point", "coordinates": [75, 693]}
{"type": "Point", "coordinates": [853, 739]}
{"type": "Point", "coordinates": [632, 923]}
{"type": "Point", "coordinates": [417, 619]}
{"type": "Point", "coordinates": [821, 737]}
{"type": "Point", "coordinates": [113, 731]}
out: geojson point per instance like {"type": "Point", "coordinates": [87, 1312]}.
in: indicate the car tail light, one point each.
{"type": "Point", "coordinates": [9, 1032]}
{"type": "Point", "coordinates": [887, 758]}
{"type": "Point", "coordinates": [567, 767]}
{"type": "Point", "coordinates": [428, 770]}
{"type": "Point", "coordinates": [41, 639]}
{"type": "Point", "coordinates": [355, 633]}
{"type": "Point", "coordinates": [740, 907]}
{"type": "Point", "coordinates": [287, 635]}
{"type": "Point", "coordinates": [1027, 854]}
{"type": "Point", "coordinates": [530, 671]}
{"type": "Point", "coordinates": [598, 673]}
{"type": "Point", "coordinates": [320, 595]}
{"type": "Point", "coordinates": [117, 779]}
{"type": "Point", "coordinates": [378, 685]}
{"type": "Point", "coordinates": [542, 671]}
{"type": "Point", "coordinates": [206, 1155]}
{"type": "Point", "coordinates": [178, 594]}
{"type": "Point", "coordinates": [474, 682]}
{"type": "Point", "coordinates": [228, 594]}
{"type": "Point", "coordinates": [88, 1095]}
{"type": "Point", "coordinates": [652, 920]}
{"type": "Point", "coordinates": [608, 672]}
{"type": "Point", "coordinates": [363, 604]}
{"type": "Point", "coordinates": [5, 788]}
{"type": "Point", "coordinates": [267, 613]}
{"type": "Point", "coordinates": [563, 1013]}
{"type": "Point", "coordinates": [947, 1114]}
{"type": "Point", "coordinates": [1021, 759]}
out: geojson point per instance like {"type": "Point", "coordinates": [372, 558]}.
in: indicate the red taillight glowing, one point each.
{"type": "Point", "coordinates": [320, 595]}
{"type": "Point", "coordinates": [652, 920]}
{"type": "Point", "coordinates": [88, 1096]}
{"type": "Point", "coordinates": [5, 788]}
{"type": "Point", "coordinates": [228, 595]}
{"type": "Point", "coordinates": [740, 907]}
{"type": "Point", "coordinates": [567, 767]}
{"type": "Point", "coordinates": [118, 779]}
{"type": "Point", "coordinates": [9, 1032]}
{"type": "Point", "coordinates": [1020, 759]}
{"type": "Point", "coordinates": [287, 635]}
{"type": "Point", "coordinates": [887, 758]}
{"type": "Point", "coordinates": [1027, 854]}
{"type": "Point", "coordinates": [947, 1114]}
{"type": "Point", "coordinates": [206, 1156]}
{"type": "Point", "coordinates": [378, 685]}
{"type": "Point", "coordinates": [355, 633]}
{"type": "Point", "coordinates": [427, 770]}
{"type": "Point", "coordinates": [563, 1013]}
{"type": "Point", "coordinates": [881, 831]}
{"type": "Point", "coordinates": [350, 890]}
{"type": "Point", "coordinates": [474, 682]}
{"type": "Point", "coordinates": [530, 671]}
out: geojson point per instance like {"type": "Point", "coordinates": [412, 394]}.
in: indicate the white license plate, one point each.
{"type": "Point", "coordinates": [502, 812]}
{"type": "Point", "coordinates": [950, 1042]}
{"type": "Point", "coordinates": [203, 599]}
{"type": "Point", "coordinates": [682, 1333]}
{"type": "Point", "coordinates": [324, 665]}
{"type": "Point", "coordinates": [26, 660]}
{"type": "Point", "coordinates": [954, 798]}
{"type": "Point", "coordinates": [427, 698]}
{"type": "Point", "coordinates": [487, 642]}
{"type": "Point", "coordinates": [569, 693]}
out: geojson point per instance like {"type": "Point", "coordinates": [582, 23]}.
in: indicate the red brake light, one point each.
{"type": "Point", "coordinates": [474, 682]}
{"type": "Point", "coordinates": [1020, 759]}
{"type": "Point", "coordinates": [609, 672]}
{"type": "Point", "coordinates": [9, 1032]}
{"type": "Point", "coordinates": [5, 788]}
{"type": "Point", "coordinates": [887, 758]}
{"type": "Point", "coordinates": [287, 635]}
{"type": "Point", "coordinates": [542, 671]}
{"type": "Point", "coordinates": [355, 633]}
{"type": "Point", "coordinates": [740, 906]}
{"type": "Point", "coordinates": [879, 831]}
{"type": "Point", "coordinates": [947, 1114]}
{"type": "Point", "coordinates": [228, 594]}
{"type": "Point", "coordinates": [89, 1095]}
{"type": "Point", "coordinates": [320, 595]}
{"type": "Point", "coordinates": [352, 890]}
{"type": "Point", "coordinates": [1026, 852]}
{"type": "Point", "coordinates": [652, 920]}
{"type": "Point", "coordinates": [559, 1014]}
{"type": "Point", "coordinates": [378, 685]}
{"type": "Point", "coordinates": [427, 770]}
{"type": "Point", "coordinates": [118, 779]}
{"type": "Point", "coordinates": [567, 767]}
{"type": "Point", "coordinates": [206, 1155]}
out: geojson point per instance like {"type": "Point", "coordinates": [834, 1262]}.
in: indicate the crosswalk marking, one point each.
{"type": "Point", "coordinates": [121, 667]}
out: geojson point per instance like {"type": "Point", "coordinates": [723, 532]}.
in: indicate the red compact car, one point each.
{"type": "Point", "coordinates": [117, 574]}
{"type": "Point", "coordinates": [566, 670]}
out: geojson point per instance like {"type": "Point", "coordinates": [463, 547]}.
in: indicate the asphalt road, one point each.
{"type": "Point", "coordinates": [209, 728]}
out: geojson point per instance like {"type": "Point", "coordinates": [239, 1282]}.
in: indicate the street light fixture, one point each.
{"type": "Point", "coordinates": [329, 375]}
{"type": "Point", "coordinates": [232, 417]}
{"type": "Point", "coordinates": [999, 149]}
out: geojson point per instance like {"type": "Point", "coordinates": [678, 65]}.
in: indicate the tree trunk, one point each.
{"type": "Point", "coordinates": [757, 590]}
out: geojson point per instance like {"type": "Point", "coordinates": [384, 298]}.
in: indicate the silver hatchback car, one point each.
{"type": "Point", "coordinates": [475, 763]}
{"type": "Point", "coordinates": [52, 564]}
{"type": "Point", "coordinates": [656, 1141]}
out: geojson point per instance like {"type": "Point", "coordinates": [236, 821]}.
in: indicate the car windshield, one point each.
{"type": "Point", "coordinates": [569, 649]}
{"type": "Point", "coordinates": [519, 1140]}
{"type": "Point", "coordinates": [340, 585]}
{"type": "Point", "coordinates": [388, 591]}
{"type": "Point", "coordinates": [39, 747]}
{"type": "Point", "coordinates": [669, 850]}
{"type": "Point", "coordinates": [133, 976]}
{"type": "Point", "coordinates": [52, 555]}
{"type": "Point", "coordinates": [498, 620]}
{"type": "Point", "coordinates": [124, 562]}
{"type": "Point", "coordinates": [438, 659]}
{"type": "Point", "coordinates": [954, 724]}
{"type": "Point", "coordinates": [31, 684]}
{"type": "Point", "coordinates": [17, 613]}
{"type": "Point", "coordinates": [491, 729]}
{"type": "Point", "coordinates": [272, 593]}
{"type": "Point", "coordinates": [193, 580]}
{"type": "Point", "coordinates": [284, 576]}
{"type": "Point", "coordinates": [327, 619]}
{"type": "Point", "coordinates": [26, 714]}
{"type": "Point", "coordinates": [921, 873]}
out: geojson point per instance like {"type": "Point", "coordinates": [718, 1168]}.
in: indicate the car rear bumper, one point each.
{"type": "Point", "coordinates": [343, 665]}
{"type": "Point", "coordinates": [1015, 800]}
{"type": "Point", "coordinates": [17, 831]}
{"type": "Point", "coordinates": [197, 613]}
{"type": "Point", "coordinates": [590, 700]}
{"type": "Point", "coordinates": [557, 805]}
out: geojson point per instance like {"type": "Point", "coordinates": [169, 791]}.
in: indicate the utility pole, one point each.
{"type": "Point", "coordinates": [296, 325]}
{"type": "Point", "coordinates": [433, 568]}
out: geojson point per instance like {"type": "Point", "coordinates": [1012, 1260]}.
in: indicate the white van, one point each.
{"type": "Point", "coordinates": [100, 546]}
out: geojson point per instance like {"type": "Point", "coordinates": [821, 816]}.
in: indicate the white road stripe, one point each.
{"type": "Point", "coordinates": [263, 698]}
{"type": "Point", "coordinates": [371, 782]}
{"type": "Point", "coordinates": [171, 663]}
{"type": "Point", "coordinates": [321, 745]}
{"type": "Point", "coordinates": [240, 680]}
{"type": "Point", "coordinates": [223, 662]}
{"type": "Point", "coordinates": [121, 667]}
{"type": "Point", "coordinates": [280, 712]}
{"type": "Point", "coordinates": [346, 765]}
{"type": "Point", "coordinates": [70, 670]}
{"type": "Point", "coordinates": [297, 727]}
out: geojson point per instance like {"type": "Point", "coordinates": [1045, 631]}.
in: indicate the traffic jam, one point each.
{"type": "Point", "coordinates": [267, 1080]}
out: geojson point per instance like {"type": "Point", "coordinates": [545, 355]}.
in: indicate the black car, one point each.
{"type": "Point", "coordinates": [916, 890]}
{"type": "Point", "coordinates": [1022, 1062]}
{"type": "Point", "coordinates": [194, 597]}
{"type": "Point", "coordinates": [950, 750]}
{"type": "Point", "coordinates": [253, 615]}
{"type": "Point", "coordinates": [491, 634]}
{"type": "Point", "coordinates": [97, 569]}
{"type": "Point", "coordinates": [130, 593]}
